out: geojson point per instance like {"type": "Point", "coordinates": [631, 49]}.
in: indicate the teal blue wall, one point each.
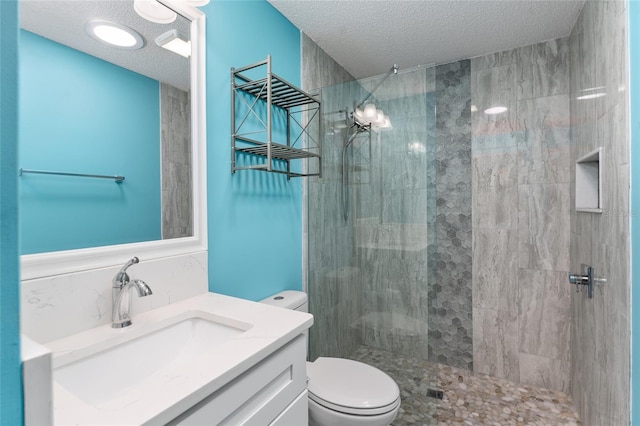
{"type": "Point", "coordinates": [255, 218]}
{"type": "Point", "coordinates": [10, 378]}
{"type": "Point", "coordinates": [57, 84]}
{"type": "Point", "coordinates": [634, 72]}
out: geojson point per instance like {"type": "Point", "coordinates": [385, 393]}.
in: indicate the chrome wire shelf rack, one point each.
{"type": "Point", "coordinates": [259, 103]}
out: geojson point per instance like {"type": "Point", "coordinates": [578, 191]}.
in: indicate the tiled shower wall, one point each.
{"type": "Point", "coordinates": [600, 326]}
{"type": "Point", "coordinates": [450, 314]}
{"type": "Point", "coordinates": [521, 298]}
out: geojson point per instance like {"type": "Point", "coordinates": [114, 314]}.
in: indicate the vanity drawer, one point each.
{"type": "Point", "coordinates": [295, 414]}
{"type": "Point", "coordinates": [259, 395]}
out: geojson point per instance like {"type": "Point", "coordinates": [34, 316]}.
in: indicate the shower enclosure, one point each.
{"type": "Point", "coordinates": [389, 234]}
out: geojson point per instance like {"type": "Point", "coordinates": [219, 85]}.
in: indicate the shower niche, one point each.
{"type": "Point", "coordinates": [589, 182]}
{"type": "Point", "coordinates": [265, 108]}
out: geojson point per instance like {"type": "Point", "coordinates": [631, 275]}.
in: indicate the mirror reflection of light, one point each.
{"type": "Point", "coordinates": [591, 96]}
{"type": "Point", "coordinates": [596, 92]}
{"type": "Point", "coordinates": [417, 148]}
{"type": "Point", "coordinates": [370, 111]}
{"type": "Point", "coordinates": [495, 110]}
{"type": "Point", "coordinates": [114, 34]}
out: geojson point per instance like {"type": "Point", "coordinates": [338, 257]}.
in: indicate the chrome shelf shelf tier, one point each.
{"type": "Point", "coordinates": [254, 103]}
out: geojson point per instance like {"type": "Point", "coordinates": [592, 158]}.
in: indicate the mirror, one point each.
{"type": "Point", "coordinates": [88, 108]}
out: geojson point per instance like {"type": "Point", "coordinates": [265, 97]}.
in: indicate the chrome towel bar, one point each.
{"type": "Point", "coordinates": [117, 178]}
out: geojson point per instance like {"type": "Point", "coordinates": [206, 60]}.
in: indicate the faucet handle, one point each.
{"type": "Point", "coordinates": [122, 278]}
{"type": "Point", "coordinates": [129, 263]}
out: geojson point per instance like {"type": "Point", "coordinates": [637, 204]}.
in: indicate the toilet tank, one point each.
{"type": "Point", "coordinates": [289, 299]}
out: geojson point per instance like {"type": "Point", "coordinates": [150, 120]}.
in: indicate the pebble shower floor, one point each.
{"type": "Point", "coordinates": [468, 398]}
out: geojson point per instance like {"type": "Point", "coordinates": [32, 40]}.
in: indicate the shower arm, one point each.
{"type": "Point", "coordinates": [392, 70]}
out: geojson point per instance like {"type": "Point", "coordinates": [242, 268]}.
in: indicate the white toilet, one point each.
{"type": "Point", "coordinates": [342, 391]}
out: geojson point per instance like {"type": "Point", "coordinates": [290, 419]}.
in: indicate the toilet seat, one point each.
{"type": "Point", "coordinates": [351, 387]}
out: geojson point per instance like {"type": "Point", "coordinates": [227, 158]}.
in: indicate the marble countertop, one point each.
{"type": "Point", "coordinates": [164, 396]}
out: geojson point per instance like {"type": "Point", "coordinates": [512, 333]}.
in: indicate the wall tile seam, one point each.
{"type": "Point", "coordinates": [494, 228]}
{"type": "Point", "coordinates": [542, 270]}
{"type": "Point", "coordinates": [561, 182]}
{"type": "Point", "coordinates": [532, 98]}
{"type": "Point", "coordinates": [521, 352]}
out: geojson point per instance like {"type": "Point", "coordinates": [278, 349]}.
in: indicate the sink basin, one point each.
{"type": "Point", "coordinates": [105, 373]}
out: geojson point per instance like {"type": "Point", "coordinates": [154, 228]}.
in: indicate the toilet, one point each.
{"type": "Point", "coordinates": [342, 391]}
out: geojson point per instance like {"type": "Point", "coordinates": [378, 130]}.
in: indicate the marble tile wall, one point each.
{"type": "Point", "coordinates": [332, 278]}
{"type": "Point", "coordinates": [177, 203]}
{"type": "Point", "coordinates": [450, 313]}
{"type": "Point", "coordinates": [521, 215]}
{"type": "Point", "coordinates": [600, 334]}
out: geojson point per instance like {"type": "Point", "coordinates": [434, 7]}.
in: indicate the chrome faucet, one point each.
{"type": "Point", "coordinates": [121, 314]}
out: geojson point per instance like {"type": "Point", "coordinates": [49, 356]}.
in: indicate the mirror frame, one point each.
{"type": "Point", "coordinates": [68, 261]}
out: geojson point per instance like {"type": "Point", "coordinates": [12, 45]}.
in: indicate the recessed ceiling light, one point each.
{"type": "Point", "coordinates": [173, 42]}
{"type": "Point", "coordinates": [495, 110]}
{"type": "Point", "coordinates": [114, 34]}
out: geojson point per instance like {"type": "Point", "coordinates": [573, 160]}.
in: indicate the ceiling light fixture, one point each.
{"type": "Point", "coordinates": [173, 42]}
{"type": "Point", "coordinates": [372, 117]}
{"type": "Point", "coordinates": [114, 34]}
{"type": "Point", "coordinates": [495, 110]}
{"type": "Point", "coordinates": [153, 11]}
{"type": "Point", "coordinates": [197, 3]}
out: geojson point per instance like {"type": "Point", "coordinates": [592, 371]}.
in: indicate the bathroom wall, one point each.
{"type": "Point", "coordinates": [10, 365]}
{"type": "Point", "coordinates": [600, 326]}
{"type": "Point", "coordinates": [177, 197]}
{"type": "Point", "coordinates": [520, 209]}
{"type": "Point", "coordinates": [634, 162]}
{"type": "Point", "coordinates": [59, 85]}
{"type": "Point", "coordinates": [255, 218]}
{"type": "Point", "coordinates": [333, 285]}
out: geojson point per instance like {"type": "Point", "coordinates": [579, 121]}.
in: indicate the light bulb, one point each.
{"type": "Point", "coordinates": [370, 111]}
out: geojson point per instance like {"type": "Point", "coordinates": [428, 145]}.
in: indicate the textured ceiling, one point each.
{"type": "Point", "coordinates": [368, 36]}
{"type": "Point", "coordinates": [64, 21]}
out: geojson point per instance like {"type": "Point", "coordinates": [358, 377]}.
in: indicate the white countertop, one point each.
{"type": "Point", "coordinates": [166, 395]}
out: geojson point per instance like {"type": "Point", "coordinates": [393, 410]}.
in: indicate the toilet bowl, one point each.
{"type": "Point", "coordinates": [343, 391]}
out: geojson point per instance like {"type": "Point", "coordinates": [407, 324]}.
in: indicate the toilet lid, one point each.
{"type": "Point", "coordinates": [351, 387]}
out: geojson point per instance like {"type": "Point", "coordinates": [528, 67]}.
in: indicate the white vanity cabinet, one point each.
{"type": "Point", "coordinates": [273, 392]}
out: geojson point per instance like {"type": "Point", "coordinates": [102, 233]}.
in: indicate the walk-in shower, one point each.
{"type": "Point", "coordinates": [388, 240]}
